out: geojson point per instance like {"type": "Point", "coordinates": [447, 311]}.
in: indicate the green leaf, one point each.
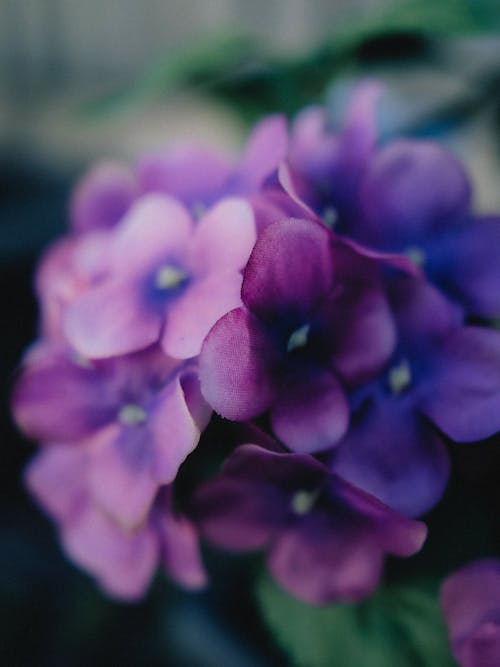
{"type": "Point", "coordinates": [399, 626]}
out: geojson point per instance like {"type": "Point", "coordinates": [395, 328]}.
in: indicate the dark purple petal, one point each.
{"type": "Point", "coordinates": [180, 549]}
{"type": "Point", "coordinates": [390, 452]}
{"type": "Point", "coordinates": [236, 364]}
{"type": "Point", "coordinates": [465, 263]}
{"type": "Point", "coordinates": [311, 412]}
{"type": "Point", "coordinates": [470, 600]}
{"type": "Point", "coordinates": [461, 391]}
{"type": "Point", "coordinates": [103, 197]}
{"type": "Point", "coordinates": [410, 190]}
{"type": "Point", "coordinates": [58, 399]}
{"type": "Point", "coordinates": [289, 271]}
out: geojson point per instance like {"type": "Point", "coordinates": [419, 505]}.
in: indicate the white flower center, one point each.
{"type": "Point", "coordinates": [132, 415]}
{"type": "Point", "coordinates": [298, 338]}
{"type": "Point", "coordinates": [330, 217]}
{"type": "Point", "coordinates": [303, 501]}
{"type": "Point", "coordinates": [399, 377]}
{"type": "Point", "coordinates": [169, 277]}
{"type": "Point", "coordinates": [416, 255]}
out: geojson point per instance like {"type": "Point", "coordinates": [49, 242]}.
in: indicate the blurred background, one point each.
{"type": "Point", "coordinates": [81, 81]}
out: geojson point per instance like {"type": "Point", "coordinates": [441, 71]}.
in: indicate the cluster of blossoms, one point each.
{"type": "Point", "coordinates": [322, 291]}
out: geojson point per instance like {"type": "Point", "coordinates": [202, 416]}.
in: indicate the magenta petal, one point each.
{"type": "Point", "coordinates": [191, 317]}
{"type": "Point", "coordinates": [470, 600]}
{"type": "Point", "coordinates": [393, 454]}
{"type": "Point", "coordinates": [224, 237]}
{"type": "Point", "coordinates": [119, 477]}
{"type": "Point", "coordinates": [234, 367]}
{"type": "Point", "coordinates": [461, 392]}
{"type": "Point", "coordinates": [290, 269]}
{"type": "Point", "coordinates": [57, 399]}
{"type": "Point", "coordinates": [409, 190]}
{"type": "Point", "coordinates": [123, 562]}
{"type": "Point", "coordinates": [110, 320]}
{"type": "Point", "coordinates": [310, 414]}
{"type": "Point", "coordinates": [319, 564]}
{"type": "Point", "coordinates": [103, 197]}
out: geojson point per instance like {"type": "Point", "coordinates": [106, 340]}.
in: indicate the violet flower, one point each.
{"type": "Point", "coordinates": [442, 373]}
{"type": "Point", "coordinates": [122, 560]}
{"type": "Point", "coordinates": [409, 197]}
{"type": "Point", "coordinates": [325, 539]}
{"type": "Point", "coordinates": [168, 279]}
{"type": "Point", "coordinates": [138, 417]}
{"type": "Point", "coordinates": [314, 317]}
{"type": "Point", "coordinates": [470, 600]}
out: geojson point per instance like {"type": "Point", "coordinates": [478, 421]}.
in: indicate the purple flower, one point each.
{"type": "Point", "coordinates": [122, 560]}
{"type": "Point", "coordinates": [442, 373]}
{"type": "Point", "coordinates": [470, 600]}
{"type": "Point", "coordinates": [138, 417]}
{"type": "Point", "coordinates": [325, 539]}
{"type": "Point", "coordinates": [314, 318]}
{"type": "Point", "coordinates": [195, 175]}
{"type": "Point", "coordinates": [167, 279]}
{"type": "Point", "coordinates": [409, 197]}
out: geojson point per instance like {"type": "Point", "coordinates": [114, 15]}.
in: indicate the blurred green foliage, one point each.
{"type": "Point", "coordinates": [399, 626]}
{"type": "Point", "coordinates": [256, 81]}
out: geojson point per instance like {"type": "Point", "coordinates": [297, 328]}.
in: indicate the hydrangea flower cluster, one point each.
{"type": "Point", "coordinates": [332, 294]}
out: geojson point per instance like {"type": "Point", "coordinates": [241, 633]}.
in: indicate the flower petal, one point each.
{"type": "Point", "coordinates": [224, 237]}
{"type": "Point", "coordinates": [391, 453]}
{"type": "Point", "coordinates": [111, 319]}
{"type": "Point", "coordinates": [103, 197]}
{"type": "Point", "coordinates": [289, 271]}
{"type": "Point", "coordinates": [191, 317]}
{"type": "Point", "coordinates": [236, 365]}
{"type": "Point", "coordinates": [310, 414]}
{"type": "Point", "coordinates": [461, 392]}
{"type": "Point", "coordinates": [410, 190]}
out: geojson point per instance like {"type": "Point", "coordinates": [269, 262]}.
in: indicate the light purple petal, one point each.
{"type": "Point", "coordinates": [289, 271]}
{"type": "Point", "coordinates": [470, 600]}
{"type": "Point", "coordinates": [235, 364]}
{"type": "Point", "coordinates": [265, 149]}
{"type": "Point", "coordinates": [122, 562]}
{"type": "Point", "coordinates": [410, 190]}
{"type": "Point", "coordinates": [191, 317]}
{"type": "Point", "coordinates": [58, 399]}
{"type": "Point", "coordinates": [111, 319]}
{"type": "Point", "coordinates": [193, 174]}
{"type": "Point", "coordinates": [310, 414]}
{"type": "Point", "coordinates": [461, 392]}
{"type": "Point", "coordinates": [56, 477]}
{"type": "Point", "coordinates": [119, 477]}
{"type": "Point", "coordinates": [224, 237]}
{"type": "Point", "coordinates": [103, 197]}
{"type": "Point", "coordinates": [156, 229]}
{"type": "Point", "coordinates": [391, 453]}
{"type": "Point", "coordinates": [172, 430]}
